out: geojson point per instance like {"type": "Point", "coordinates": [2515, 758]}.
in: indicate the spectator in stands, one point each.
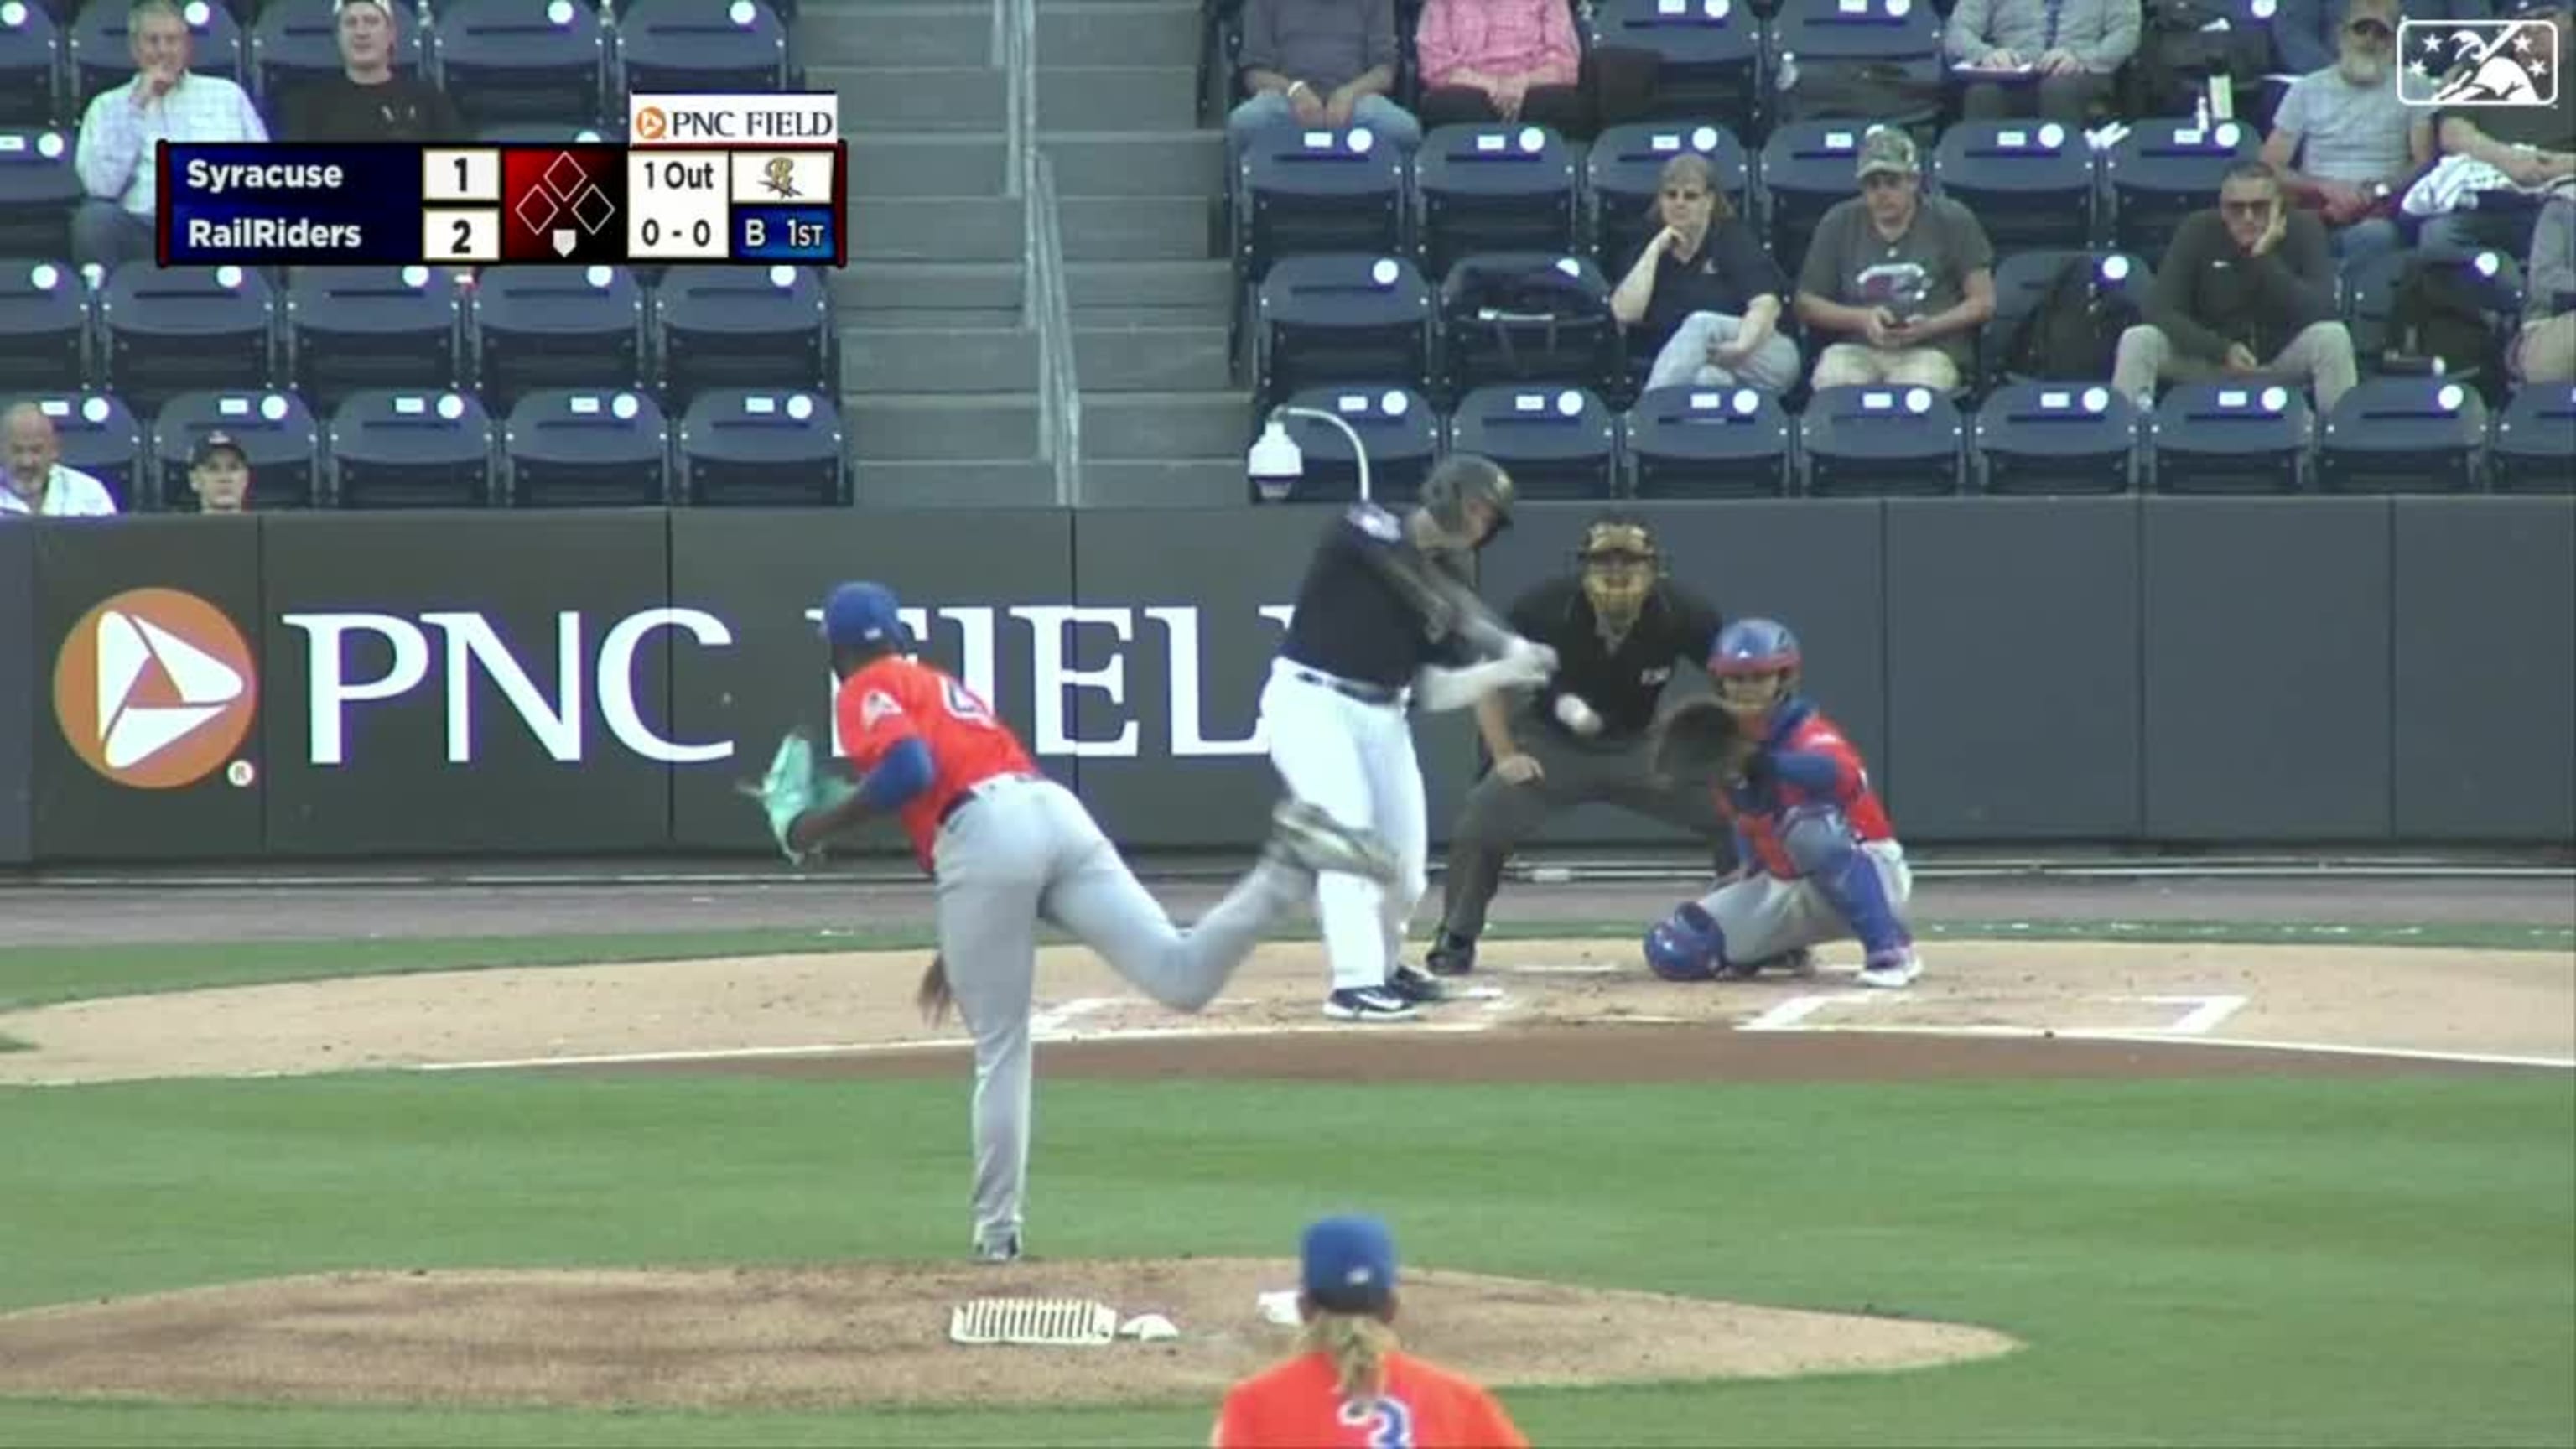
{"type": "Point", "coordinates": [1704, 288]}
{"type": "Point", "coordinates": [2532, 146]}
{"type": "Point", "coordinates": [2355, 144]}
{"type": "Point", "coordinates": [2246, 290]}
{"type": "Point", "coordinates": [2307, 35]}
{"type": "Point", "coordinates": [125, 125]}
{"type": "Point", "coordinates": [1910, 277]}
{"type": "Point", "coordinates": [2060, 55]}
{"type": "Point", "coordinates": [1501, 60]}
{"type": "Point", "coordinates": [1327, 63]}
{"type": "Point", "coordinates": [2546, 349]}
{"type": "Point", "coordinates": [219, 474]}
{"type": "Point", "coordinates": [36, 482]}
{"type": "Point", "coordinates": [367, 101]}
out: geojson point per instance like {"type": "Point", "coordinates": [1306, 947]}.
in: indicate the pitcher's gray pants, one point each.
{"type": "Point", "coordinates": [1025, 850]}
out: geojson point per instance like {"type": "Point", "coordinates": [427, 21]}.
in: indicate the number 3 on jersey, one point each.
{"type": "Point", "coordinates": [1389, 1422]}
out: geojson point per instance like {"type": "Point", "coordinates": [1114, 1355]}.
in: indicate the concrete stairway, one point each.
{"type": "Point", "coordinates": [939, 379]}
{"type": "Point", "coordinates": [1150, 288]}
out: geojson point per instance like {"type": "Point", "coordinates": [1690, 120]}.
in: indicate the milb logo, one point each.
{"type": "Point", "coordinates": [155, 689]}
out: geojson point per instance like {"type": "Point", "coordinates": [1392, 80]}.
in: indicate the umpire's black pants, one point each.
{"type": "Point", "coordinates": [1499, 814]}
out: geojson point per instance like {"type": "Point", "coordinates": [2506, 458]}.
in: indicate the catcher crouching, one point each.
{"type": "Point", "coordinates": [1820, 860]}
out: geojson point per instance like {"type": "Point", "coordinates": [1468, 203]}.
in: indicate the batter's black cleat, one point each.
{"type": "Point", "coordinates": [1415, 986]}
{"type": "Point", "coordinates": [1453, 956]}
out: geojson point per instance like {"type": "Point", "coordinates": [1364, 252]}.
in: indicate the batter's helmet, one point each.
{"type": "Point", "coordinates": [1462, 478]}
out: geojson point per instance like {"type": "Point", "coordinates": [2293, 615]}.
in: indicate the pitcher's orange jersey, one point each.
{"type": "Point", "coordinates": [1299, 1405]}
{"type": "Point", "coordinates": [893, 699]}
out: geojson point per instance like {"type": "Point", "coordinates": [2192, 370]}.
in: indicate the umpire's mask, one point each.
{"type": "Point", "coordinates": [1620, 567]}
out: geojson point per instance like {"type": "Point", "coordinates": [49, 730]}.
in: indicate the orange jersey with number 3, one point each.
{"type": "Point", "coordinates": [894, 699]}
{"type": "Point", "coordinates": [1299, 1405]}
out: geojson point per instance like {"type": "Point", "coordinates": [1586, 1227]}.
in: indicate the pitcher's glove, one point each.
{"type": "Point", "coordinates": [795, 784]}
{"type": "Point", "coordinates": [1698, 743]}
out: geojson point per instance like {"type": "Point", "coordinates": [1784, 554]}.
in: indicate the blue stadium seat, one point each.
{"type": "Point", "coordinates": [1707, 442]}
{"type": "Point", "coordinates": [1398, 426]}
{"type": "Point", "coordinates": [277, 435]}
{"type": "Point", "coordinates": [1880, 442]}
{"type": "Point", "coordinates": [1492, 188]}
{"type": "Point", "coordinates": [38, 189]}
{"type": "Point", "coordinates": [1556, 442]}
{"type": "Point", "coordinates": [1494, 347]}
{"type": "Point", "coordinates": [2022, 280]}
{"type": "Point", "coordinates": [2370, 287]}
{"type": "Point", "coordinates": [350, 329]}
{"type": "Point", "coordinates": [31, 68]}
{"type": "Point", "coordinates": [539, 327]}
{"type": "Point", "coordinates": [185, 329]}
{"type": "Point", "coordinates": [2207, 437]}
{"type": "Point", "coordinates": [2403, 435]}
{"type": "Point", "coordinates": [1807, 168]}
{"type": "Point", "coordinates": [1334, 319]}
{"type": "Point", "coordinates": [537, 61]}
{"type": "Point", "coordinates": [1316, 191]}
{"type": "Point", "coordinates": [101, 57]}
{"type": "Point", "coordinates": [2163, 171]}
{"type": "Point", "coordinates": [99, 436]}
{"type": "Point", "coordinates": [586, 447]}
{"type": "Point", "coordinates": [400, 448]}
{"type": "Point", "coordinates": [703, 47]}
{"type": "Point", "coordinates": [1837, 42]}
{"type": "Point", "coordinates": [2055, 439]}
{"type": "Point", "coordinates": [2029, 182]}
{"type": "Point", "coordinates": [768, 328]}
{"type": "Point", "coordinates": [296, 41]}
{"type": "Point", "coordinates": [747, 447]}
{"type": "Point", "coordinates": [1708, 52]}
{"type": "Point", "coordinates": [541, 133]}
{"type": "Point", "coordinates": [44, 326]}
{"type": "Point", "coordinates": [2533, 449]}
{"type": "Point", "coordinates": [1624, 173]}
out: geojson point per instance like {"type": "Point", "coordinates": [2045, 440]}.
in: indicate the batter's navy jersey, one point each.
{"type": "Point", "coordinates": [1350, 622]}
{"type": "Point", "coordinates": [1622, 685]}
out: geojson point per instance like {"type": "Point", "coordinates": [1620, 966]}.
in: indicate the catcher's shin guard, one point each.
{"type": "Point", "coordinates": [1821, 844]}
{"type": "Point", "coordinates": [1687, 945]}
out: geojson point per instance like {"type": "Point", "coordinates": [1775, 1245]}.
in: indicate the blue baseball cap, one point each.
{"type": "Point", "coordinates": [861, 614]}
{"type": "Point", "coordinates": [1350, 1264]}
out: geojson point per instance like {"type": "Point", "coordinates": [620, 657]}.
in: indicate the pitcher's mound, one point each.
{"type": "Point", "coordinates": [874, 1333]}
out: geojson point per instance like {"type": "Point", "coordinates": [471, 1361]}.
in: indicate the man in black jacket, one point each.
{"type": "Point", "coordinates": [367, 101]}
{"type": "Point", "coordinates": [2247, 290]}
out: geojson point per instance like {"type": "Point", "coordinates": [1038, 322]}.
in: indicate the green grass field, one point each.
{"type": "Point", "coordinates": [2249, 1262]}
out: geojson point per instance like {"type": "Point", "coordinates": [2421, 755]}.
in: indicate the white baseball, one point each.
{"type": "Point", "coordinates": [1575, 715]}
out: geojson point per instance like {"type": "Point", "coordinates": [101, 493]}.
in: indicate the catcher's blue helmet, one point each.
{"type": "Point", "coordinates": [1753, 646]}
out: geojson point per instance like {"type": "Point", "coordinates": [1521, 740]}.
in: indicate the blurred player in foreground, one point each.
{"type": "Point", "coordinates": [1350, 1385]}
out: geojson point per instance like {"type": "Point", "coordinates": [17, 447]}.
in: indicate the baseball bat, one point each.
{"type": "Point", "coordinates": [1448, 604]}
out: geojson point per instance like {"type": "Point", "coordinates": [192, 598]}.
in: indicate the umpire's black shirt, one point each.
{"type": "Point", "coordinates": [1349, 621]}
{"type": "Point", "coordinates": [1624, 684]}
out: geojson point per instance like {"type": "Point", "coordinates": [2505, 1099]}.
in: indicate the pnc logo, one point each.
{"type": "Point", "coordinates": [651, 124]}
{"type": "Point", "coordinates": [155, 689]}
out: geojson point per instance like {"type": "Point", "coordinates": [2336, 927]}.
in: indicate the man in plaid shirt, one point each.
{"type": "Point", "coordinates": [124, 126]}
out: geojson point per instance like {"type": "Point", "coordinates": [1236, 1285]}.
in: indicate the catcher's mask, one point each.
{"type": "Point", "coordinates": [1755, 665]}
{"type": "Point", "coordinates": [1459, 480]}
{"type": "Point", "coordinates": [1620, 566]}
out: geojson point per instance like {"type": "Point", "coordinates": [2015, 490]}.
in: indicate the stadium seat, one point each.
{"type": "Point", "coordinates": [540, 133]}
{"type": "Point", "coordinates": [1316, 191]}
{"type": "Point", "coordinates": [2029, 182]}
{"type": "Point", "coordinates": [350, 329]}
{"type": "Point", "coordinates": [1338, 320]}
{"type": "Point", "coordinates": [2022, 280]}
{"type": "Point", "coordinates": [703, 47]}
{"type": "Point", "coordinates": [38, 189]}
{"type": "Point", "coordinates": [2533, 449]}
{"type": "Point", "coordinates": [102, 58]}
{"type": "Point", "coordinates": [586, 447]}
{"type": "Point", "coordinates": [746, 447]}
{"type": "Point", "coordinates": [1807, 168]}
{"type": "Point", "coordinates": [536, 61]}
{"type": "Point", "coordinates": [2403, 435]}
{"type": "Point", "coordinates": [1624, 173]}
{"type": "Point", "coordinates": [399, 448]}
{"type": "Point", "coordinates": [295, 41]}
{"type": "Point", "coordinates": [99, 436]}
{"type": "Point", "coordinates": [1708, 55]}
{"type": "Point", "coordinates": [2370, 287]}
{"type": "Point", "coordinates": [277, 435]}
{"type": "Point", "coordinates": [2163, 171]}
{"type": "Point", "coordinates": [539, 327]}
{"type": "Point", "coordinates": [1707, 442]}
{"type": "Point", "coordinates": [768, 328]}
{"type": "Point", "coordinates": [44, 326]}
{"type": "Point", "coordinates": [2207, 437]}
{"type": "Point", "coordinates": [1491, 347]}
{"type": "Point", "coordinates": [2052, 438]}
{"type": "Point", "coordinates": [185, 329]}
{"type": "Point", "coordinates": [1556, 442]}
{"type": "Point", "coordinates": [1880, 442]}
{"type": "Point", "coordinates": [1829, 45]}
{"type": "Point", "coordinates": [31, 68]}
{"type": "Point", "coordinates": [1399, 427]}
{"type": "Point", "coordinates": [1492, 188]}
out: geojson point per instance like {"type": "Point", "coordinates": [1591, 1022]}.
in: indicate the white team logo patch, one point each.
{"type": "Point", "coordinates": [875, 706]}
{"type": "Point", "coordinates": [1376, 522]}
{"type": "Point", "coordinates": [2477, 62]}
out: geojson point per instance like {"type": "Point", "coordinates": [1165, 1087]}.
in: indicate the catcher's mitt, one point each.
{"type": "Point", "coordinates": [794, 785]}
{"type": "Point", "coordinates": [1697, 742]}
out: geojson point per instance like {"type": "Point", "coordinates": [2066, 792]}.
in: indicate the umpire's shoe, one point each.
{"type": "Point", "coordinates": [1452, 956]}
{"type": "Point", "coordinates": [1306, 835]}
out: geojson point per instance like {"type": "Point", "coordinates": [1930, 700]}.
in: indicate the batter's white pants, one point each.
{"type": "Point", "coordinates": [1355, 762]}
